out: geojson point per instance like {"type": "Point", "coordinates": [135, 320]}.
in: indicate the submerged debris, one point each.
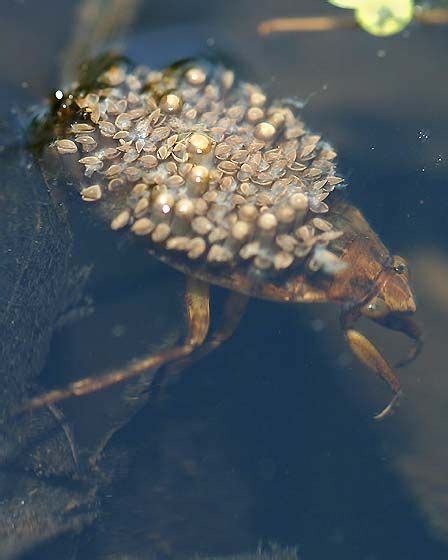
{"type": "Point", "coordinates": [204, 168]}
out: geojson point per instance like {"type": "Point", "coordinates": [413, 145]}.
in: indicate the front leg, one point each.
{"type": "Point", "coordinates": [405, 325]}
{"type": "Point", "coordinates": [371, 357]}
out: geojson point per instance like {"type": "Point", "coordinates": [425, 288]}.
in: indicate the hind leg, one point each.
{"type": "Point", "coordinates": [198, 314]}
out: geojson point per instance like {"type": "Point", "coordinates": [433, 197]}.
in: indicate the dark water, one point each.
{"type": "Point", "coordinates": [269, 439]}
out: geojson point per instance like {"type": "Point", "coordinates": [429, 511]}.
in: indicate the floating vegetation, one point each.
{"type": "Point", "coordinates": [380, 17]}
{"type": "Point", "coordinates": [377, 17]}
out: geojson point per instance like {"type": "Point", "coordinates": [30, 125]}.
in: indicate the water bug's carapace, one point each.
{"type": "Point", "coordinates": [233, 190]}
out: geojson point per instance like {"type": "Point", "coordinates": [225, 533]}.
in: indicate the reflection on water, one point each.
{"type": "Point", "coordinates": [269, 439]}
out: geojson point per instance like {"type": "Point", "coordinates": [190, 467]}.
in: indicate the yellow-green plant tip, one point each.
{"type": "Point", "coordinates": [385, 17]}
{"type": "Point", "coordinates": [353, 4]}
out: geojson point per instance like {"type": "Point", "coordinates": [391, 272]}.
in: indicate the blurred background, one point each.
{"type": "Point", "coordinates": [271, 438]}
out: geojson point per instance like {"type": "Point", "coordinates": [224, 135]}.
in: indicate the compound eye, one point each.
{"type": "Point", "coordinates": [400, 265]}
{"type": "Point", "coordinates": [376, 309]}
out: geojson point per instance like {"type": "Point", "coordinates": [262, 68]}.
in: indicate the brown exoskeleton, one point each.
{"type": "Point", "coordinates": [227, 188]}
{"type": "Point", "coordinates": [374, 284]}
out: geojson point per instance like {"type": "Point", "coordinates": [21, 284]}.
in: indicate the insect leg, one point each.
{"type": "Point", "coordinates": [233, 312]}
{"type": "Point", "coordinates": [234, 309]}
{"type": "Point", "coordinates": [371, 357]}
{"type": "Point", "coordinates": [197, 299]}
{"type": "Point", "coordinates": [407, 326]}
{"type": "Point", "coordinates": [198, 313]}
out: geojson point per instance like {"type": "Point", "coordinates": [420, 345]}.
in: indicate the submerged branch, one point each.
{"type": "Point", "coordinates": [331, 23]}
{"type": "Point", "coordinates": [96, 22]}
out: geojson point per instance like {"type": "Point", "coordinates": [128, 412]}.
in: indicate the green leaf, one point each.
{"type": "Point", "coordinates": [353, 4]}
{"type": "Point", "coordinates": [384, 17]}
